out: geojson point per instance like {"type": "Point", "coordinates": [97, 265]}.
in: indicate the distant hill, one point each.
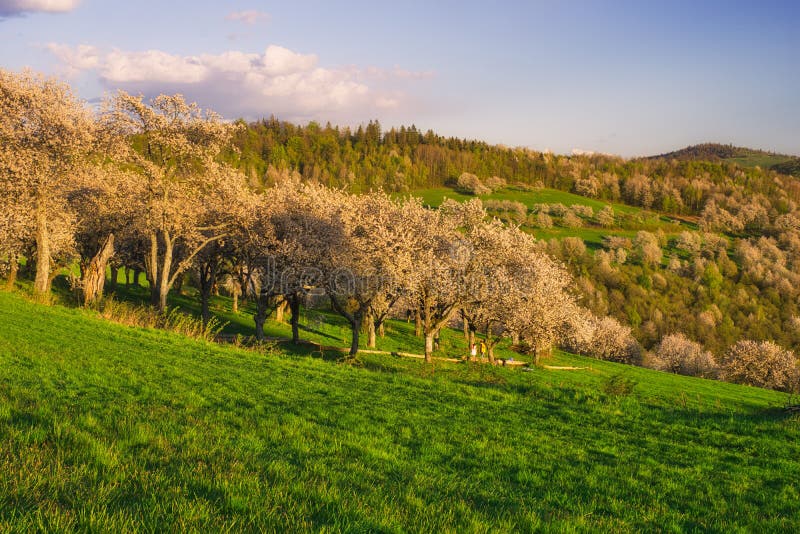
{"type": "Point", "coordinates": [746, 157]}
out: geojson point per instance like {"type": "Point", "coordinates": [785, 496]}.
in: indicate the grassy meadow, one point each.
{"type": "Point", "coordinates": [632, 219]}
{"type": "Point", "coordinates": [111, 428]}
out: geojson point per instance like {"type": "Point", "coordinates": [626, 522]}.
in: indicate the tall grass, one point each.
{"type": "Point", "coordinates": [171, 319]}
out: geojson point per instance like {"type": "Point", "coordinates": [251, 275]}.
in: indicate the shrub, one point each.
{"type": "Point", "coordinates": [603, 338]}
{"type": "Point", "coordinates": [495, 183]}
{"type": "Point", "coordinates": [619, 386]}
{"type": "Point", "coordinates": [763, 364]}
{"type": "Point", "coordinates": [582, 210]}
{"type": "Point", "coordinates": [543, 220]}
{"type": "Point", "coordinates": [678, 354]}
{"type": "Point", "coordinates": [470, 184]}
{"type": "Point", "coordinates": [605, 217]}
{"type": "Point", "coordinates": [571, 220]}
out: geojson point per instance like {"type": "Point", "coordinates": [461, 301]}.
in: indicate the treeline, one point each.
{"type": "Point", "coordinates": [405, 159]}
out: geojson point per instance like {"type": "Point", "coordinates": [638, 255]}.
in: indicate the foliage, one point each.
{"type": "Point", "coordinates": [619, 385]}
{"type": "Point", "coordinates": [763, 364]}
{"type": "Point", "coordinates": [678, 354]}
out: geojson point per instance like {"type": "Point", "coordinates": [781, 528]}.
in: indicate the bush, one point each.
{"type": "Point", "coordinates": [763, 364]}
{"type": "Point", "coordinates": [678, 354]}
{"type": "Point", "coordinates": [603, 338]}
{"type": "Point", "coordinates": [605, 217]}
{"type": "Point", "coordinates": [571, 220]}
{"type": "Point", "coordinates": [619, 386]}
{"type": "Point", "coordinates": [543, 220]}
{"type": "Point", "coordinates": [470, 184]}
{"type": "Point", "coordinates": [495, 183]}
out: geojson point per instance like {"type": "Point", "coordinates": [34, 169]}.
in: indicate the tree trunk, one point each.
{"type": "Point", "coordinates": [381, 330]}
{"type": "Point", "coordinates": [178, 285]}
{"type": "Point", "coordinates": [151, 269]}
{"type": "Point", "coordinates": [235, 307]}
{"type": "Point", "coordinates": [112, 283]}
{"type": "Point", "coordinates": [128, 273]}
{"type": "Point", "coordinates": [417, 323]}
{"type": "Point", "coordinates": [13, 267]}
{"type": "Point", "coordinates": [489, 343]}
{"type": "Point", "coordinates": [371, 331]}
{"type": "Point", "coordinates": [94, 275]}
{"type": "Point", "coordinates": [163, 286]}
{"type": "Point", "coordinates": [280, 310]}
{"type": "Point", "coordinates": [41, 283]}
{"type": "Point", "coordinates": [260, 317]}
{"type": "Point", "coordinates": [466, 330]}
{"type": "Point", "coordinates": [137, 274]}
{"type": "Point", "coordinates": [471, 339]}
{"type": "Point", "coordinates": [294, 306]}
{"type": "Point", "coordinates": [429, 347]}
{"type": "Point", "coordinates": [355, 325]}
{"type": "Point", "coordinates": [206, 275]}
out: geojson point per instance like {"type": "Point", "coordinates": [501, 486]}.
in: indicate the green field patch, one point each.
{"type": "Point", "coordinates": [435, 196]}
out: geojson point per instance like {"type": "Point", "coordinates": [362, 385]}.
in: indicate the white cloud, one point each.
{"type": "Point", "coordinates": [278, 81]}
{"type": "Point", "coordinates": [250, 16]}
{"type": "Point", "coordinates": [14, 8]}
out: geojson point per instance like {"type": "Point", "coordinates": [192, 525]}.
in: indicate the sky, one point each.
{"type": "Point", "coordinates": [622, 77]}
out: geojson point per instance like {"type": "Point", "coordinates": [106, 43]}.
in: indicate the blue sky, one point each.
{"type": "Point", "coordinates": [630, 78]}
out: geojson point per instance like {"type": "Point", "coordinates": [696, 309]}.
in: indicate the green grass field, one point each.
{"type": "Point", "coordinates": [756, 159]}
{"type": "Point", "coordinates": [111, 428]}
{"type": "Point", "coordinates": [435, 196]}
{"type": "Point", "coordinates": [592, 235]}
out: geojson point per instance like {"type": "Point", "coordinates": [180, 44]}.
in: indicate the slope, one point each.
{"type": "Point", "coordinates": [104, 427]}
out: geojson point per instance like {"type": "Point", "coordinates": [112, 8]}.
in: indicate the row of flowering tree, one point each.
{"type": "Point", "coordinates": [140, 184]}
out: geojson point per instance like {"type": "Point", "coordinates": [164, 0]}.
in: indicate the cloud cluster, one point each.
{"type": "Point", "coordinates": [250, 16]}
{"type": "Point", "coordinates": [278, 81]}
{"type": "Point", "coordinates": [16, 8]}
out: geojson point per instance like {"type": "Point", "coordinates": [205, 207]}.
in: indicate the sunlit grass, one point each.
{"type": "Point", "coordinates": [112, 428]}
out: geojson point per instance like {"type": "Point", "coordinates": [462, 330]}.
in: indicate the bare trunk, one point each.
{"type": "Point", "coordinates": [13, 267]}
{"type": "Point", "coordinates": [163, 286]}
{"type": "Point", "coordinates": [294, 306]}
{"type": "Point", "coordinates": [417, 323]}
{"type": "Point", "coordinates": [112, 283]}
{"type": "Point", "coordinates": [41, 283]}
{"type": "Point", "coordinates": [178, 285]}
{"type": "Point", "coordinates": [207, 275]}
{"type": "Point", "coordinates": [381, 330]}
{"type": "Point", "coordinates": [355, 325]}
{"type": "Point", "coordinates": [235, 301]}
{"type": "Point", "coordinates": [371, 341]}
{"type": "Point", "coordinates": [128, 274]}
{"type": "Point", "coordinates": [471, 339]}
{"type": "Point", "coordinates": [137, 274]}
{"type": "Point", "coordinates": [94, 275]}
{"type": "Point", "coordinates": [151, 269]}
{"type": "Point", "coordinates": [260, 317]}
{"type": "Point", "coordinates": [489, 343]}
{"type": "Point", "coordinates": [429, 347]}
{"type": "Point", "coordinates": [280, 310]}
{"type": "Point", "coordinates": [466, 330]}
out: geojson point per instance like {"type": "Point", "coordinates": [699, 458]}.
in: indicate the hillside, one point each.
{"type": "Point", "coordinates": [104, 427]}
{"type": "Point", "coordinates": [744, 157]}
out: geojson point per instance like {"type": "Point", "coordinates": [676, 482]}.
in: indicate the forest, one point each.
{"type": "Point", "coordinates": [680, 265]}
